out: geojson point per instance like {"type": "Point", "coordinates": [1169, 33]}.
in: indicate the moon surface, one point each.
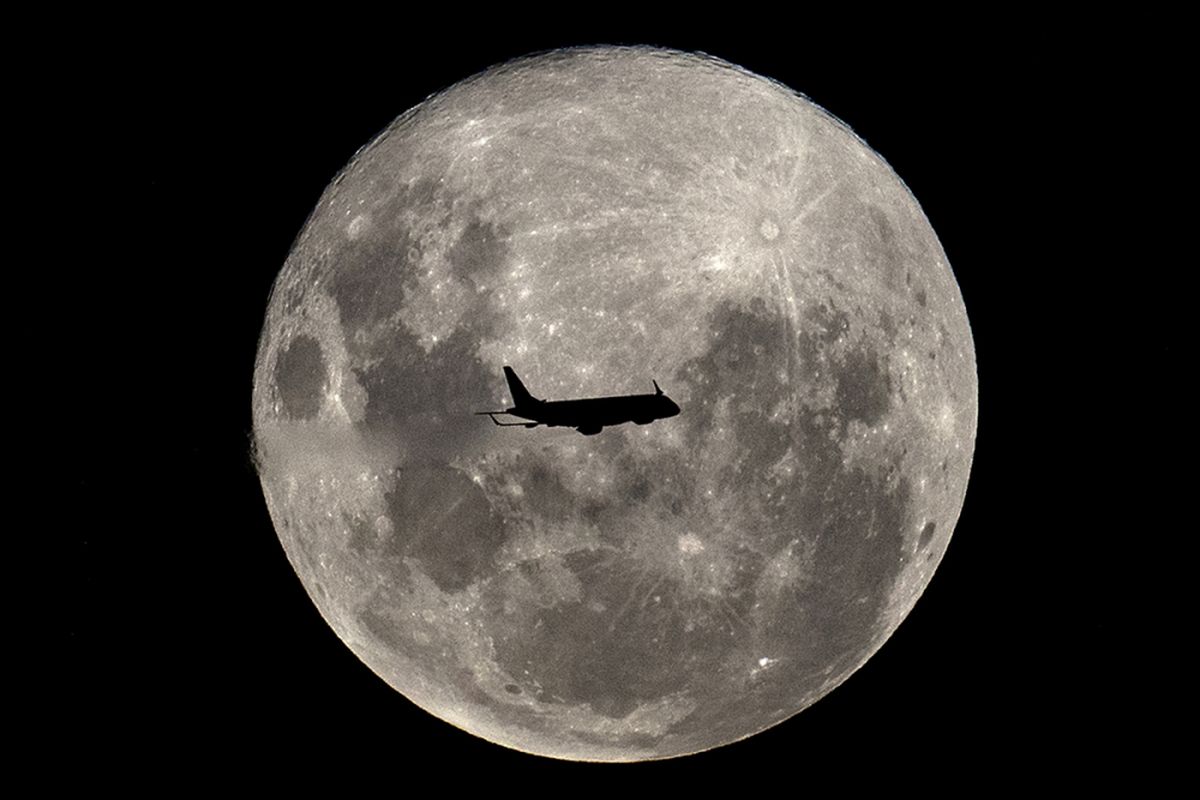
{"type": "Point", "coordinates": [597, 218]}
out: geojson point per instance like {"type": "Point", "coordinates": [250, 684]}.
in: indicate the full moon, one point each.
{"type": "Point", "coordinates": [598, 218]}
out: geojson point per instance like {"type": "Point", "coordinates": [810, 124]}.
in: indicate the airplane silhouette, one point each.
{"type": "Point", "coordinates": [588, 415]}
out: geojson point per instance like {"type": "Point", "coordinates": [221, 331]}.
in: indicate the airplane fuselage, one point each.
{"type": "Point", "coordinates": [641, 409]}
{"type": "Point", "coordinates": [587, 415]}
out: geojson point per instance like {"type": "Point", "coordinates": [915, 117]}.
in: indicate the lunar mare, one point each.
{"type": "Point", "coordinates": [597, 218]}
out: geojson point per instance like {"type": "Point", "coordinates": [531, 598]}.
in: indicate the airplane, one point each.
{"type": "Point", "coordinates": [588, 415]}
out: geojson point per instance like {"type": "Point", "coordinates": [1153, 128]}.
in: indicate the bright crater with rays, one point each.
{"type": "Point", "coordinates": [597, 218]}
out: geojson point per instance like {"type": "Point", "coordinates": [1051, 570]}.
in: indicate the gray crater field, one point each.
{"type": "Point", "coordinates": [597, 218]}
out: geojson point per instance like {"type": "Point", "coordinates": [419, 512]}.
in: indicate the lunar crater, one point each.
{"type": "Point", "coordinates": [769, 229]}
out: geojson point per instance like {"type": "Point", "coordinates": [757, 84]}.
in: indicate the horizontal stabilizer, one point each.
{"type": "Point", "coordinates": [493, 414]}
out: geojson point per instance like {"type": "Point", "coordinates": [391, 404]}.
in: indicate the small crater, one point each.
{"type": "Point", "coordinates": [769, 229]}
{"type": "Point", "coordinates": [512, 688]}
{"type": "Point", "coordinates": [300, 376]}
{"type": "Point", "coordinates": [921, 298]}
{"type": "Point", "coordinates": [690, 544]}
{"type": "Point", "coordinates": [926, 535]}
{"type": "Point", "coordinates": [357, 226]}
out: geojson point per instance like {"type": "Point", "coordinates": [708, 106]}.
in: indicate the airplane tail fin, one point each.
{"type": "Point", "coordinates": [520, 395]}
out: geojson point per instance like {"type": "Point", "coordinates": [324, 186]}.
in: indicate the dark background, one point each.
{"type": "Point", "coordinates": [190, 644]}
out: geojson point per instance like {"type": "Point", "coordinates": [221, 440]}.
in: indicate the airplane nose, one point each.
{"type": "Point", "coordinates": [673, 407]}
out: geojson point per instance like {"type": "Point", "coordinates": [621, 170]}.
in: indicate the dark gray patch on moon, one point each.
{"type": "Point", "coordinates": [300, 375]}
{"type": "Point", "coordinates": [864, 389]}
{"type": "Point", "coordinates": [416, 395]}
{"type": "Point", "coordinates": [859, 519]}
{"type": "Point", "coordinates": [369, 272]}
{"type": "Point", "coordinates": [745, 348]}
{"type": "Point", "coordinates": [443, 520]}
{"type": "Point", "coordinates": [420, 398]}
{"type": "Point", "coordinates": [363, 537]}
{"type": "Point", "coordinates": [861, 548]}
{"type": "Point", "coordinates": [479, 252]}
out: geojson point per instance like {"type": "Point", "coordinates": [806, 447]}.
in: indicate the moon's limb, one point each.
{"type": "Point", "coordinates": [598, 218]}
